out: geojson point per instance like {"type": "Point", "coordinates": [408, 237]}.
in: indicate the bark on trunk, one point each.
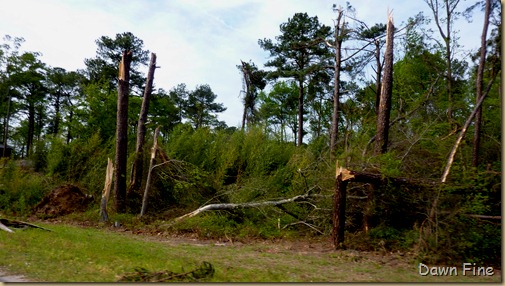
{"type": "Point", "coordinates": [300, 112]}
{"type": "Point", "coordinates": [31, 128]}
{"type": "Point", "coordinates": [122, 132]}
{"type": "Point", "coordinates": [386, 93]}
{"type": "Point", "coordinates": [106, 190]}
{"type": "Point", "coordinates": [336, 87]}
{"type": "Point", "coordinates": [137, 167]}
{"type": "Point", "coordinates": [378, 85]}
{"type": "Point", "coordinates": [6, 124]}
{"type": "Point", "coordinates": [339, 203]}
{"type": "Point", "coordinates": [149, 174]}
{"type": "Point", "coordinates": [479, 83]}
{"type": "Point", "coordinates": [247, 94]}
{"type": "Point", "coordinates": [345, 176]}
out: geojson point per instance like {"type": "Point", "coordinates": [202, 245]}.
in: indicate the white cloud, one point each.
{"type": "Point", "coordinates": [197, 42]}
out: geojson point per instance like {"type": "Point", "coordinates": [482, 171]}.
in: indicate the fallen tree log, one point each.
{"type": "Point", "coordinates": [230, 206]}
{"type": "Point", "coordinates": [6, 223]}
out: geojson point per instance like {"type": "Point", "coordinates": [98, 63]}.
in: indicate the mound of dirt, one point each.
{"type": "Point", "coordinates": [63, 200]}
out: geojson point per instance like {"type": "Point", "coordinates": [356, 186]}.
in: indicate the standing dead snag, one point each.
{"type": "Point", "coordinates": [344, 176]}
{"type": "Point", "coordinates": [151, 167]}
{"type": "Point", "coordinates": [122, 132]}
{"type": "Point", "coordinates": [106, 191]}
{"type": "Point", "coordinates": [339, 202]}
{"type": "Point", "coordinates": [136, 172]}
{"type": "Point", "coordinates": [386, 93]}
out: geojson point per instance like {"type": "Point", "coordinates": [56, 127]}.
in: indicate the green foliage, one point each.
{"type": "Point", "coordinates": [81, 161]}
{"type": "Point", "coordinates": [20, 190]}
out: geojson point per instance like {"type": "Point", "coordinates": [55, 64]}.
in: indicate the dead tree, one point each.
{"type": "Point", "coordinates": [339, 31]}
{"type": "Point", "coordinates": [344, 176]}
{"type": "Point", "coordinates": [122, 132]}
{"type": "Point", "coordinates": [106, 190]}
{"type": "Point", "coordinates": [149, 174]}
{"type": "Point", "coordinates": [479, 84]}
{"type": "Point", "coordinates": [137, 167]}
{"type": "Point", "coordinates": [339, 204]}
{"type": "Point", "coordinates": [386, 93]}
{"type": "Point", "coordinates": [230, 206]}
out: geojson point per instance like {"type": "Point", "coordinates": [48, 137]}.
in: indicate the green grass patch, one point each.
{"type": "Point", "coordinates": [75, 254]}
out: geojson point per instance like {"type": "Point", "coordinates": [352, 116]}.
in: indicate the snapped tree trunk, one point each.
{"type": "Point", "coordinates": [247, 94]}
{"type": "Point", "coordinates": [149, 174]}
{"type": "Point", "coordinates": [450, 160]}
{"type": "Point", "coordinates": [479, 83]}
{"type": "Point", "coordinates": [137, 167]}
{"type": "Point", "coordinates": [336, 87]}
{"type": "Point", "coordinates": [106, 190]}
{"type": "Point", "coordinates": [339, 202]}
{"type": "Point", "coordinates": [381, 141]}
{"type": "Point", "coordinates": [122, 132]}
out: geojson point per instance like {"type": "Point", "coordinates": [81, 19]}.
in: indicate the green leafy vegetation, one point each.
{"type": "Point", "coordinates": [59, 128]}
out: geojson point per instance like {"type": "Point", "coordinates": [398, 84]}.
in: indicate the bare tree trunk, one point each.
{"type": "Point", "coordinates": [450, 160]}
{"type": "Point", "coordinates": [122, 132]}
{"type": "Point", "coordinates": [106, 190]}
{"type": "Point", "coordinates": [137, 168]}
{"type": "Point", "coordinates": [300, 112]}
{"type": "Point", "coordinates": [378, 80]}
{"type": "Point", "coordinates": [6, 123]}
{"type": "Point", "coordinates": [336, 88]}
{"type": "Point", "coordinates": [383, 115]}
{"type": "Point", "coordinates": [450, 6]}
{"type": "Point", "coordinates": [247, 94]}
{"type": "Point", "coordinates": [479, 83]}
{"type": "Point", "coordinates": [339, 202]}
{"type": "Point", "coordinates": [149, 174]}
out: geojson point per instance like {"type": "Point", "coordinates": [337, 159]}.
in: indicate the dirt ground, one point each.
{"type": "Point", "coordinates": [62, 200]}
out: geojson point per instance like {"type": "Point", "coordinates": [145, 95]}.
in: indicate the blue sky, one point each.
{"type": "Point", "coordinates": [196, 41]}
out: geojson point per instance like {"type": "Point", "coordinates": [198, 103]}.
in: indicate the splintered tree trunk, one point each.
{"type": "Point", "coordinates": [339, 200]}
{"type": "Point", "coordinates": [149, 174]}
{"type": "Point", "coordinates": [137, 168]}
{"type": "Point", "coordinates": [106, 191]}
{"type": "Point", "coordinates": [381, 141]}
{"type": "Point", "coordinates": [479, 83]}
{"type": "Point", "coordinates": [122, 132]}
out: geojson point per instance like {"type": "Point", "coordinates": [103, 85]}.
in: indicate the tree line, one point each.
{"type": "Point", "coordinates": [386, 100]}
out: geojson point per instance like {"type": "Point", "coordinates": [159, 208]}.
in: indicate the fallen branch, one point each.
{"type": "Point", "coordinates": [4, 223]}
{"type": "Point", "coordinates": [151, 163]}
{"type": "Point", "coordinates": [3, 227]}
{"type": "Point", "coordinates": [496, 217]}
{"type": "Point", "coordinates": [205, 270]}
{"type": "Point", "coordinates": [304, 223]}
{"type": "Point", "coordinates": [229, 206]}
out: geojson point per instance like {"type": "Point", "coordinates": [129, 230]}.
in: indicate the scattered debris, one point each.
{"type": "Point", "coordinates": [6, 223]}
{"type": "Point", "coordinates": [143, 275]}
{"type": "Point", "coordinates": [63, 200]}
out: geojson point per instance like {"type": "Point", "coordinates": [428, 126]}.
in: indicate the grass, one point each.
{"type": "Point", "coordinates": [76, 254]}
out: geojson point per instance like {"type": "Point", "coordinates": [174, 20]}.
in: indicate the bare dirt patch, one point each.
{"type": "Point", "coordinates": [63, 200]}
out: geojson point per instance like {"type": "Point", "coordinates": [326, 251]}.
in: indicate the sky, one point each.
{"type": "Point", "coordinates": [196, 41]}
